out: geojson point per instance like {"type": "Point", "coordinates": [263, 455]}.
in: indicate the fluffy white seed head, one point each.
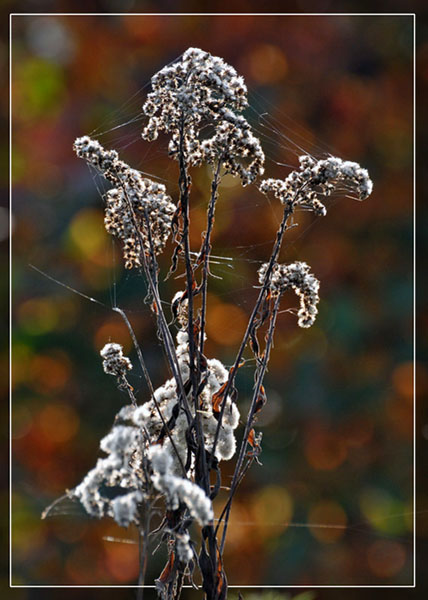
{"type": "Point", "coordinates": [130, 203]}
{"type": "Point", "coordinates": [178, 490]}
{"type": "Point", "coordinates": [114, 362]}
{"type": "Point", "coordinates": [196, 91]}
{"type": "Point", "coordinates": [297, 277]}
{"type": "Point", "coordinates": [317, 179]}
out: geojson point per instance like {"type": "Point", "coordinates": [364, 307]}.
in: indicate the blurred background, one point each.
{"type": "Point", "coordinates": [332, 503]}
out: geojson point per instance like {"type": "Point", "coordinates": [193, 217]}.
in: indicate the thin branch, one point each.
{"type": "Point", "coordinates": [206, 252]}
{"type": "Point", "coordinates": [184, 185]}
{"type": "Point", "coordinates": [150, 384]}
{"type": "Point", "coordinates": [288, 210]}
{"type": "Point", "coordinates": [250, 417]}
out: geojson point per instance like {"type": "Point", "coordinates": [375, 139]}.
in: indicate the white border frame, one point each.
{"type": "Point", "coordinates": [274, 14]}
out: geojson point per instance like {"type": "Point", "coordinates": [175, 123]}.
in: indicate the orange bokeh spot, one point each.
{"type": "Point", "coordinates": [239, 529]}
{"type": "Point", "coordinates": [386, 558]}
{"type": "Point", "coordinates": [267, 63]}
{"type": "Point", "coordinates": [58, 422]}
{"type": "Point", "coordinates": [358, 432]}
{"type": "Point", "coordinates": [402, 378]}
{"type": "Point", "coordinates": [81, 566]}
{"type": "Point", "coordinates": [226, 323]}
{"type": "Point", "coordinates": [325, 450]}
{"type": "Point", "coordinates": [122, 561]}
{"type": "Point", "coordinates": [400, 416]}
{"type": "Point", "coordinates": [112, 331]}
{"type": "Point", "coordinates": [327, 521]}
{"type": "Point", "coordinates": [49, 373]}
{"type": "Point", "coordinates": [69, 531]}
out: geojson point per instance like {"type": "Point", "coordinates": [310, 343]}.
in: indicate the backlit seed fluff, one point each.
{"type": "Point", "coordinates": [297, 277]}
{"type": "Point", "coordinates": [318, 178]}
{"type": "Point", "coordinates": [196, 91]}
{"type": "Point", "coordinates": [129, 201]}
{"type": "Point", "coordinates": [183, 547]}
{"type": "Point", "coordinates": [195, 88]}
{"type": "Point", "coordinates": [115, 363]}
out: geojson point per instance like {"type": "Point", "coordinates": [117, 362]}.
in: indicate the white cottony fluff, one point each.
{"type": "Point", "coordinates": [177, 489]}
{"type": "Point", "coordinates": [120, 440]}
{"type": "Point", "coordinates": [117, 484]}
{"type": "Point", "coordinates": [297, 277]}
{"type": "Point", "coordinates": [125, 508]}
{"type": "Point", "coordinates": [184, 549]}
{"type": "Point", "coordinates": [115, 363]}
{"type": "Point", "coordinates": [318, 178]}
{"type": "Point", "coordinates": [200, 90]}
{"type": "Point", "coordinates": [115, 471]}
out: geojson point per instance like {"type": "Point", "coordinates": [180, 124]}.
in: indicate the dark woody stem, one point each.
{"type": "Point", "coordinates": [260, 373]}
{"type": "Point", "coordinates": [201, 472]}
{"type": "Point", "coordinates": [262, 294]}
{"type": "Point", "coordinates": [184, 186]}
{"type": "Point", "coordinates": [206, 251]}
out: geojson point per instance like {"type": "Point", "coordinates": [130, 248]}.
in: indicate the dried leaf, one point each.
{"type": "Point", "coordinates": [261, 400]}
{"type": "Point", "coordinates": [217, 398]}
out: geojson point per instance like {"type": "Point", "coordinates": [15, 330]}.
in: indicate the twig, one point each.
{"type": "Point", "coordinates": [288, 210]}
{"type": "Point", "coordinates": [249, 423]}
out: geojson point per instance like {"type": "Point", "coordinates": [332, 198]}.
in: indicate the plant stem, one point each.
{"type": "Point", "coordinates": [184, 185]}
{"type": "Point", "coordinates": [150, 384]}
{"type": "Point", "coordinates": [162, 322]}
{"type": "Point", "coordinates": [275, 252]}
{"type": "Point", "coordinates": [206, 251]}
{"type": "Point", "coordinates": [250, 417]}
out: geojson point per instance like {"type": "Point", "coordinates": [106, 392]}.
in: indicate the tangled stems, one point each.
{"type": "Point", "coordinates": [288, 210]}
{"type": "Point", "coordinates": [184, 186]}
{"type": "Point", "coordinates": [260, 373]}
{"type": "Point", "coordinates": [151, 276]}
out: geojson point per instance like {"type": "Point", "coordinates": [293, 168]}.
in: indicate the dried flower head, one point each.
{"type": "Point", "coordinates": [197, 91]}
{"type": "Point", "coordinates": [132, 201]}
{"type": "Point", "coordinates": [113, 487]}
{"type": "Point", "coordinates": [115, 363]}
{"type": "Point", "coordinates": [318, 178]}
{"type": "Point", "coordinates": [235, 145]}
{"type": "Point", "coordinates": [194, 89]}
{"type": "Point", "coordinates": [297, 277]}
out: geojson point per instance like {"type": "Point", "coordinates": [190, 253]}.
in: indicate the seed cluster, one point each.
{"type": "Point", "coordinates": [115, 363]}
{"type": "Point", "coordinates": [133, 201]}
{"type": "Point", "coordinates": [318, 178]}
{"type": "Point", "coordinates": [238, 149]}
{"type": "Point", "coordinates": [297, 277]}
{"type": "Point", "coordinates": [198, 91]}
{"type": "Point", "coordinates": [167, 402]}
{"type": "Point", "coordinates": [139, 432]}
{"type": "Point", "coordinates": [192, 90]}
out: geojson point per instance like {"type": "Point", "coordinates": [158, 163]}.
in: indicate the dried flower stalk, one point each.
{"type": "Point", "coordinates": [170, 444]}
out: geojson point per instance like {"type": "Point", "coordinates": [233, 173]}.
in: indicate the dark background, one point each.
{"type": "Point", "coordinates": [337, 446]}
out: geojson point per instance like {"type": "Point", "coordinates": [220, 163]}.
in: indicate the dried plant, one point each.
{"type": "Point", "coordinates": [170, 445]}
